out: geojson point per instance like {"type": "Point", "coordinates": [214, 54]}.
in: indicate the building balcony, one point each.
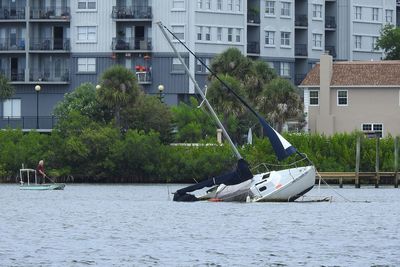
{"type": "Point", "coordinates": [253, 47]}
{"type": "Point", "coordinates": [299, 78]}
{"type": "Point", "coordinates": [28, 122]}
{"type": "Point", "coordinates": [14, 75]}
{"type": "Point", "coordinates": [50, 75]}
{"type": "Point", "coordinates": [330, 22]}
{"type": "Point", "coordinates": [300, 50]}
{"type": "Point", "coordinates": [12, 13]}
{"type": "Point", "coordinates": [50, 13]}
{"type": "Point", "coordinates": [253, 17]}
{"type": "Point", "coordinates": [143, 74]}
{"type": "Point", "coordinates": [132, 12]}
{"type": "Point", "coordinates": [331, 50]}
{"type": "Point", "coordinates": [132, 44]}
{"type": "Point", "coordinates": [301, 21]}
{"type": "Point", "coordinates": [50, 44]}
{"type": "Point", "coordinates": [12, 44]}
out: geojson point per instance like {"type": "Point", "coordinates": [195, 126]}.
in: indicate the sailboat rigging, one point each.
{"type": "Point", "coordinates": [241, 184]}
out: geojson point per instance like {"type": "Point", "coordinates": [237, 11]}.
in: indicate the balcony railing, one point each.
{"type": "Point", "coordinates": [49, 75]}
{"type": "Point", "coordinates": [143, 77]}
{"type": "Point", "coordinates": [253, 17]}
{"type": "Point", "coordinates": [132, 12]}
{"type": "Point", "coordinates": [61, 13]}
{"type": "Point", "coordinates": [301, 20]}
{"type": "Point", "coordinates": [330, 22]}
{"type": "Point", "coordinates": [131, 44]}
{"type": "Point", "coordinates": [12, 13]}
{"type": "Point", "coordinates": [50, 44]}
{"type": "Point", "coordinates": [331, 50]}
{"type": "Point", "coordinates": [301, 50]}
{"type": "Point", "coordinates": [28, 122]}
{"type": "Point", "coordinates": [12, 44]}
{"type": "Point", "coordinates": [253, 47]}
{"type": "Point", "coordinates": [14, 75]}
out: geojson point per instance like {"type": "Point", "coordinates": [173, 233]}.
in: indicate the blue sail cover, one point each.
{"type": "Point", "coordinates": [281, 146]}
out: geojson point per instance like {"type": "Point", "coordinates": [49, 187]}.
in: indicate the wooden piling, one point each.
{"type": "Point", "coordinates": [341, 182]}
{"type": "Point", "coordinates": [357, 171]}
{"type": "Point", "coordinates": [396, 162]}
{"type": "Point", "coordinates": [377, 176]}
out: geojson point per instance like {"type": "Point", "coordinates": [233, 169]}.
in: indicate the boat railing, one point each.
{"type": "Point", "coordinates": [27, 173]}
{"type": "Point", "coordinates": [269, 166]}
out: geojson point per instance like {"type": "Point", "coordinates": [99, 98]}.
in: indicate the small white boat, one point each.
{"type": "Point", "coordinates": [29, 181]}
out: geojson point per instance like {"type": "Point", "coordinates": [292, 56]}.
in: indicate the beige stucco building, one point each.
{"type": "Point", "coordinates": [349, 96]}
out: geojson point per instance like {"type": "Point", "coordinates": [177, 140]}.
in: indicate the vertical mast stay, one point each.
{"type": "Point", "coordinates": [225, 133]}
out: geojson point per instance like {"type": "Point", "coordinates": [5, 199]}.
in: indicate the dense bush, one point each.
{"type": "Point", "coordinates": [101, 153]}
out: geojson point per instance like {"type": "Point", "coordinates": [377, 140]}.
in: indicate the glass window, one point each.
{"type": "Point", "coordinates": [342, 98]}
{"type": "Point", "coordinates": [199, 33]}
{"type": "Point", "coordinates": [285, 69]}
{"type": "Point", "coordinates": [208, 4]}
{"type": "Point", "coordinates": [87, 33]}
{"type": "Point", "coordinates": [269, 7]}
{"type": "Point", "coordinates": [230, 30]}
{"type": "Point", "coordinates": [317, 11]}
{"type": "Point", "coordinates": [285, 10]}
{"type": "Point", "coordinates": [285, 38]}
{"type": "Point", "coordinates": [269, 38]}
{"type": "Point", "coordinates": [314, 98]}
{"type": "Point", "coordinates": [177, 66]}
{"type": "Point", "coordinates": [178, 4]}
{"type": "Point", "coordinates": [373, 44]}
{"type": "Point", "coordinates": [87, 5]}
{"type": "Point", "coordinates": [317, 40]}
{"type": "Point", "coordinates": [389, 16]}
{"type": "Point", "coordinates": [238, 34]}
{"type": "Point", "coordinates": [208, 33]}
{"type": "Point", "coordinates": [372, 129]}
{"type": "Point", "coordinates": [199, 4]}
{"type": "Point", "coordinates": [219, 34]}
{"type": "Point", "coordinates": [200, 67]}
{"type": "Point", "coordinates": [12, 108]}
{"type": "Point", "coordinates": [375, 14]}
{"type": "Point", "coordinates": [230, 5]}
{"type": "Point", "coordinates": [179, 32]}
{"type": "Point", "coordinates": [219, 4]}
{"type": "Point", "coordinates": [86, 64]}
{"type": "Point", "coordinates": [357, 40]}
{"type": "Point", "coordinates": [238, 5]}
{"type": "Point", "coordinates": [358, 10]}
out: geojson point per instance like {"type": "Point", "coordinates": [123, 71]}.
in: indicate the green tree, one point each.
{"type": "Point", "coordinates": [280, 101]}
{"type": "Point", "coordinates": [232, 62]}
{"type": "Point", "coordinates": [389, 41]}
{"type": "Point", "coordinates": [192, 123]}
{"type": "Point", "coordinates": [118, 89]}
{"type": "Point", "coordinates": [6, 89]}
{"type": "Point", "coordinates": [82, 100]}
{"type": "Point", "coordinates": [148, 114]}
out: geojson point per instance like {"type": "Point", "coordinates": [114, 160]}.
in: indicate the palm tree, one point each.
{"type": "Point", "coordinates": [118, 88]}
{"type": "Point", "coordinates": [280, 101]}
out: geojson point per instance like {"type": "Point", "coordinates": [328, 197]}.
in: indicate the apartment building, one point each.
{"type": "Point", "coordinates": [59, 44]}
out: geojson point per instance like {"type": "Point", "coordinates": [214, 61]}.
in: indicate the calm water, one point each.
{"type": "Point", "coordinates": [136, 225]}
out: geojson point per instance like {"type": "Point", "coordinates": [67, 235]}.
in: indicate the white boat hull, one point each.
{"type": "Point", "coordinates": [284, 185]}
{"type": "Point", "coordinates": [54, 186]}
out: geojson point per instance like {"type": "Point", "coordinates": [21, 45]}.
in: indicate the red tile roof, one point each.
{"type": "Point", "coordinates": [349, 73]}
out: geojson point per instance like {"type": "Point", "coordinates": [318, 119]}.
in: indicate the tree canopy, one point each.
{"type": "Point", "coordinates": [389, 41]}
{"type": "Point", "coordinates": [6, 89]}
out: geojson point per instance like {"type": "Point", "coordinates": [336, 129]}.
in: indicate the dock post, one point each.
{"type": "Point", "coordinates": [341, 182]}
{"type": "Point", "coordinates": [358, 146]}
{"type": "Point", "coordinates": [396, 162]}
{"type": "Point", "coordinates": [377, 137]}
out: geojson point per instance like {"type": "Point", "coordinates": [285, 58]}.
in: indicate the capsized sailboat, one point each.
{"type": "Point", "coordinates": [241, 184]}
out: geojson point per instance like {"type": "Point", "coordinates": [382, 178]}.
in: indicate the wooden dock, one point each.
{"type": "Point", "coordinates": [366, 178]}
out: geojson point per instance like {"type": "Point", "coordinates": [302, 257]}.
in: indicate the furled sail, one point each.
{"type": "Point", "coordinates": [237, 176]}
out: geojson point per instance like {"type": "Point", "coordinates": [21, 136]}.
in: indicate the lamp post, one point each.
{"type": "Point", "coordinates": [37, 89]}
{"type": "Point", "coordinates": [98, 87]}
{"type": "Point", "coordinates": [160, 92]}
